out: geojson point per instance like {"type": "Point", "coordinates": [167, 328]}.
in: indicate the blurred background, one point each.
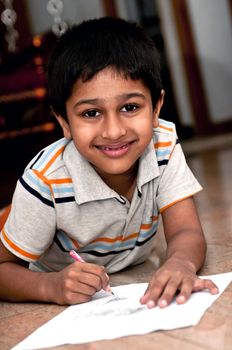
{"type": "Point", "coordinates": [194, 38]}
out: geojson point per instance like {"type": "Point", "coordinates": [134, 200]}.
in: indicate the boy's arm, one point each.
{"type": "Point", "coordinates": [186, 250]}
{"type": "Point", "coordinates": [72, 285]}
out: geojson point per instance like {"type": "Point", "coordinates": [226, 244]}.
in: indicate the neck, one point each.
{"type": "Point", "coordinates": [124, 184]}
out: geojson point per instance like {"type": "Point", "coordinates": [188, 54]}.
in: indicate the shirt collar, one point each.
{"type": "Point", "coordinates": [148, 166]}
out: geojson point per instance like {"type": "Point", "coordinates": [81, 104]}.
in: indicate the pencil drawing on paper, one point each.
{"type": "Point", "coordinates": [114, 307]}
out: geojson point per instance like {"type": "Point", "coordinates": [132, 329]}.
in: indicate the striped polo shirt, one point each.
{"type": "Point", "coordinates": [61, 203]}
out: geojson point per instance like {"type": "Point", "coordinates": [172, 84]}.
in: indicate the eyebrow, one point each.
{"type": "Point", "coordinates": [122, 97]}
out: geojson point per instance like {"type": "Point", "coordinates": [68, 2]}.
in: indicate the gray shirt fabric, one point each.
{"type": "Point", "coordinates": [61, 203]}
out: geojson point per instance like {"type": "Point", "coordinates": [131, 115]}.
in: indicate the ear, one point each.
{"type": "Point", "coordinates": [157, 109]}
{"type": "Point", "coordinates": [65, 126]}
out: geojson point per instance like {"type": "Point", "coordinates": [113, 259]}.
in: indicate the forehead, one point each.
{"type": "Point", "coordinates": [108, 82]}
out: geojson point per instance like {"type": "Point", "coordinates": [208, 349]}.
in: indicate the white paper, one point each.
{"type": "Point", "coordinates": [123, 312]}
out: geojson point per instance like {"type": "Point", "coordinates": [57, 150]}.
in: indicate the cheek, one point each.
{"type": "Point", "coordinates": [82, 137]}
{"type": "Point", "coordinates": [145, 130]}
{"type": "Point", "coordinates": [144, 126]}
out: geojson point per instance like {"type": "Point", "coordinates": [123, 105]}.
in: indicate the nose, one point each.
{"type": "Point", "coordinates": [113, 127]}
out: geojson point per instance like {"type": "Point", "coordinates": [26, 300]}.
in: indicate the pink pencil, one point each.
{"type": "Point", "coordinates": [75, 256]}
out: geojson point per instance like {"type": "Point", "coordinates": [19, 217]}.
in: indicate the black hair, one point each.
{"type": "Point", "coordinates": [93, 45]}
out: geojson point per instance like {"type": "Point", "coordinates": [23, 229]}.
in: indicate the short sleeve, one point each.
{"type": "Point", "coordinates": [31, 225]}
{"type": "Point", "coordinates": [177, 181]}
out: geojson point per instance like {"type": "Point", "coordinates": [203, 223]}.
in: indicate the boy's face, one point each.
{"type": "Point", "coordinates": [110, 120]}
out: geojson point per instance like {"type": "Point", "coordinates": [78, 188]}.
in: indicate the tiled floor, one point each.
{"type": "Point", "coordinates": [207, 144]}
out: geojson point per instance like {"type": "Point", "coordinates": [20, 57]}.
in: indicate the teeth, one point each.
{"type": "Point", "coordinates": [113, 149]}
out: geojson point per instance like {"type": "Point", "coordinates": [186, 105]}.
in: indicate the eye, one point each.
{"type": "Point", "coordinates": [92, 113]}
{"type": "Point", "coordinates": [129, 107]}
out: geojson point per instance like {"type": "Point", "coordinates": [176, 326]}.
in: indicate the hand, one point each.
{"type": "Point", "coordinates": [175, 276]}
{"type": "Point", "coordinates": [76, 283]}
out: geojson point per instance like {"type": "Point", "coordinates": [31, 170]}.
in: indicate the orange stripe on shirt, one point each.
{"type": "Point", "coordinates": [53, 159]}
{"type": "Point", "coordinates": [147, 226]}
{"type": "Point", "coordinates": [75, 243]}
{"type": "Point", "coordinates": [60, 181]}
{"type": "Point", "coordinates": [119, 238]}
{"type": "Point", "coordinates": [17, 249]}
{"type": "Point", "coordinates": [165, 127]}
{"type": "Point", "coordinates": [51, 182]}
{"type": "Point", "coordinates": [162, 144]}
{"type": "Point", "coordinates": [41, 176]}
{"type": "Point", "coordinates": [44, 179]}
{"type": "Point", "coordinates": [124, 239]}
{"type": "Point", "coordinates": [177, 201]}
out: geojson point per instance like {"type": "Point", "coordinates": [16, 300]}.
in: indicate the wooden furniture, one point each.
{"type": "Point", "coordinates": [26, 123]}
{"type": "Point", "coordinates": [24, 107]}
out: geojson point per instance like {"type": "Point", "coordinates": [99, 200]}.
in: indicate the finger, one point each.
{"type": "Point", "coordinates": [201, 284]}
{"type": "Point", "coordinates": [185, 291]}
{"type": "Point", "coordinates": [99, 272]}
{"type": "Point", "coordinates": [89, 283]}
{"type": "Point", "coordinates": [82, 277]}
{"type": "Point", "coordinates": [104, 279]}
{"type": "Point", "coordinates": [106, 284]}
{"type": "Point", "coordinates": [153, 292]}
{"type": "Point", "coordinates": [169, 292]}
{"type": "Point", "coordinates": [75, 292]}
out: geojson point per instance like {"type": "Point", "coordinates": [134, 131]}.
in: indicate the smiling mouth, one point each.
{"type": "Point", "coordinates": [114, 147]}
{"type": "Point", "coordinates": [115, 151]}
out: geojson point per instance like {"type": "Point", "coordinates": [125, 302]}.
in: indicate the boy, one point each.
{"type": "Point", "coordinates": [100, 189]}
